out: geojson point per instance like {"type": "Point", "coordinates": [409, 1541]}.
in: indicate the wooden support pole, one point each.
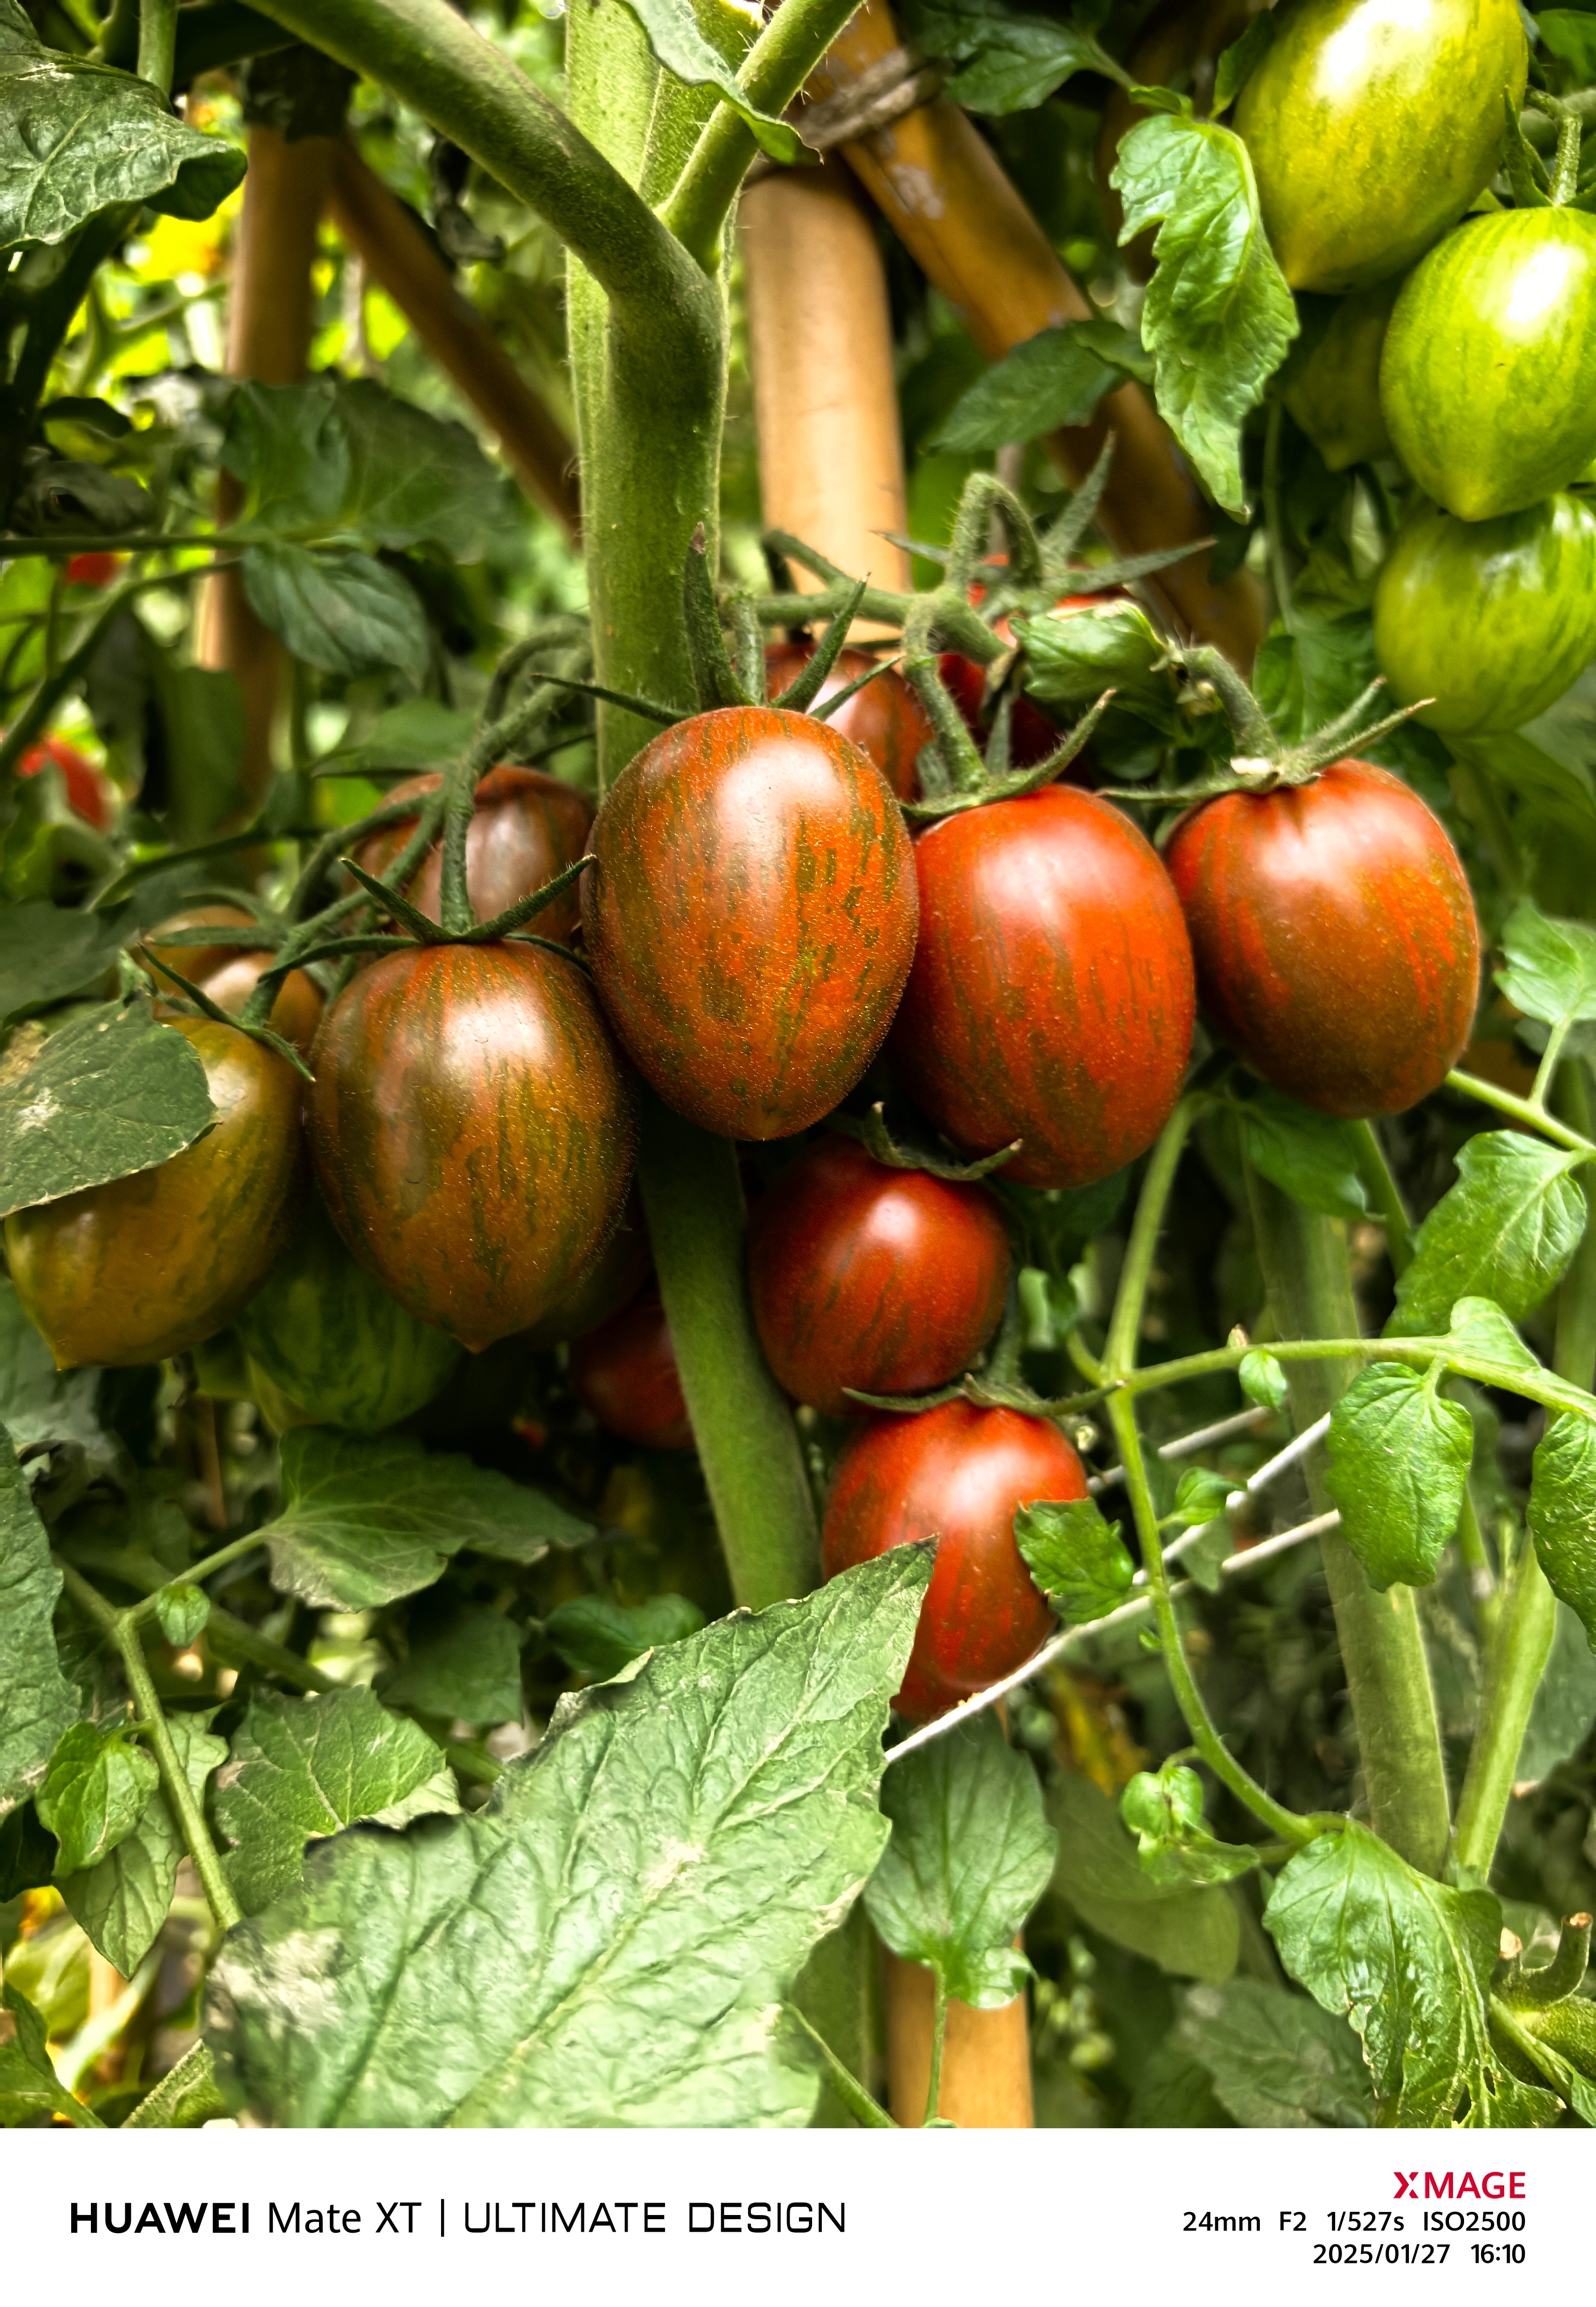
{"type": "Point", "coordinates": [378, 228]}
{"type": "Point", "coordinates": [944, 192]}
{"type": "Point", "coordinates": [986, 2057]}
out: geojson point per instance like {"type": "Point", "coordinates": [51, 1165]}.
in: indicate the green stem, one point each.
{"type": "Point", "coordinates": [1384, 1195]}
{"type": "Point", "coordinates": [933, 2088]}
{"type": "Point", "coordinates": [1522, 1108]}
{"type": "Point", "coordinates": [157, 42]}
{"type": "Point", "coordinates": [1419, 1353]}
{"type": "Point", "coordinates": [1309, 1284]}
{"type": "Point", "coordinates": [744, 1431]}
{"type": "Point", "coordinates": [1119, 1352]}
{"type": "Point", "coordinates": [142, 1612]}
{"type": "Point", "coordinates": [846, 2084]}
{"type": "Point", "coordinates": [234, 1638]}
{"type": "Point", "coordinates": [1280, 574]}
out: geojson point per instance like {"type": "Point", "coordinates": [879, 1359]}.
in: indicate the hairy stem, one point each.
{"type": "Point", "coordinates": [1309, 1283]}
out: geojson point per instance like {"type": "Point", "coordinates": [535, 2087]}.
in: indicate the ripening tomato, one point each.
{"type": "Point", "coordinates": [1333, 386]}
{"type": "Point", "coordinates": [1335, 934]}
{"type": "Point", "coordinates": [153, 1263]}
{"type": "Point", "coordinates": [1372, 124]}
{"type": "Point", "coordinates": [526, 827]}
{"type": "Point", "coordinates": [1489, 619]}
{"type": "Point", "coordinates": [1051, 994]}
{"type": "Point", "coordinates": [612, 1281]}
{"type": "Point", "coordinates": [93, 570]}
{"type": "Point", "coordinates": [888, 1280]}
{"type": "Point", "coordinates": [751, 917]}
{"type": "Point", "coordinates": [1488, 378]}
{"type": "Point", "coordinates": [886, 720]}
{"type": "Point", "coordinates": [959, 1475]}
{"type": "Point", "coordinates": [230, 973]}
{"type": "Point", "coordinates": [625, 1374]}
{"type": "Point", "coordinates": [473, 1131]}
{"type": "Point", "coordinates": [88, 794]}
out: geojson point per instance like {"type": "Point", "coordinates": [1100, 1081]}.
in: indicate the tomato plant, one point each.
{"type": "Point", "coordinates": [625, 1204]}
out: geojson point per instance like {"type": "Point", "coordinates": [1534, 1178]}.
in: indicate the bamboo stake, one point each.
{"type": "Point", "coordinates": [269, 329]}
{"type": "Point", "coordinates": [986, 2056]}
{"type": "Point", "coordinates": [944, 193]}
{"type": "Point", "coordinates": [372, 222]}
{"type": "Point", "coordinates": [819, 336]}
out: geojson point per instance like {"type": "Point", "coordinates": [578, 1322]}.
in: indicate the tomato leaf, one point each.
{"type": "Point", "coordinates": [95, 1792]}
{"type": "Point", "coordinates": [467, 1665]}
{"type": "Point", "coordinates": [28, 2087]}
{"type": "Point", "coordinates": [1202, 1494]}
{"type": "Point", "coordinates": [1480, 1325]}
{"type": "Point", "coordinates": [36, 1701]}
{"type": "Point", "coordinates": [1072, 656]}
{"type": "Point", "coordinates": [1562, 790]}
{"type": "Point", "coordinates": [182, 1611]}
{"type": "Point", "coordinates": [970, 1853]}
{"type": "Point", "coordinates": [718, 1812]}
{"type": "Point", "coordinates": [1563, 1513]}
{"type": "Point", "coordinates": [1399, 1459]}
{"type": "Point", "coordinates": [1551, 965]}
{"type": "Point", "coordinates": [109, 1094]}
{"type": "Point", "coordinates": [1276, 2061]}
{"type": "Point", "coordinates": [1409, 1961]}
{"type": "Point", "coordinates": [416, 735]}
{"type": "Point", "coordinates": [1506, 1231]}
{"type": "Point", "coordinates": [122, 1900]}
{"type": "Point", "coordinates": [1238, 62]}
{"type": "Point", "coordinates": [1263, 1379]}
{"type": "Point", "coordinates": [1163, 1809]}
{"type": "Point", "coordinates": [1057, 378]}
{"type": "Point", "coordinates": [336, 608]}
{"type": "Point", "coordinates": [1013, 58]}
{"type": "Point", "coordinates": [1570, 35]}
{"type": "Point", "coordinates": [185, 2096]}
{"type": "Point", "coordinates": [1218, 315]}
{"type": "Point", "coordinates": [304, 1767]}
{"type": "Point", "coordinates": [671, 27]}
{"type": "Point", "coordinates": [49, 952]}
{"type": "Point", "coordinates": [366, 1521]}
{"type": "Point", "coordinates": [82, 137]}
{"type": "Point", "coordinates": [1191, 1933]}
{"type": "Point", "coordinates": [600, 1638]}
{"type": "Point", "coordinates": [1309, 1155]}
{"type": "Point", "coordinates": [1075, 1558]}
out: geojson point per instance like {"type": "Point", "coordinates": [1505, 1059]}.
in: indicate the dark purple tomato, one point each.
{"type": "Point", "coordinates": [886, 720]}
{"type": "Point", "coordinates": [751, 917]}
{"type": "Point", "coordinates": [526, 827]}
{"type": "Point", "coordinates": [473, 1131]}
{"type": "Point", "coordinates": [888, 1280]}
{"type": "Point", "coordinates": [625, 1374]}
{"type": "Point", "coordinates": [1336, 945]}
{"type": "Point", "coordinates": [1051, 995]}
{"type": "Point", "coordinates": [959, 1475]}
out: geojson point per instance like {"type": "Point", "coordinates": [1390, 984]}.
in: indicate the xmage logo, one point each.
{"type": "Point", "coordinates": [1458, 2186]}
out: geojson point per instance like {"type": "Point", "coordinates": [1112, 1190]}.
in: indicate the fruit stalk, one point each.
{"type": "Point", "coordinates": [1309, 1285]}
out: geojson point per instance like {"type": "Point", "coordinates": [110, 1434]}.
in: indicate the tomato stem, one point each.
{"type": "Point", "coordinates": [157, 43]}
{"type": "Point", "coordinates": [933, 2088]}
{"type": "Point", "coordinates": [852, 2092]}
{"type": "Point", "coordinates": [1521, 1109]}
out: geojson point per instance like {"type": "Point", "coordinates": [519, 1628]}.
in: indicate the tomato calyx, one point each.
{"type": "Point", "coordinates": [879, 1142]}
{"type": "Point", "coordinates": [1534, 185]}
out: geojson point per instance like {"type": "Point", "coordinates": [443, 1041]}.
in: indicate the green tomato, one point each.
{"type": "Point", "coordinates": [1488, 375]}
{"type": "Point", "coordinates": [1492, 619]}
{"type": "Point", "coordinates": [1372, 124]}
{"type": "Point", "coordinates": [332, 1344]}
{"type": "Point", "coordinates": [1333, 388]}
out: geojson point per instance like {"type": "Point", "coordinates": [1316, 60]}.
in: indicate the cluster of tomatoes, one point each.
{"type": "Point", "coordinates": [1466, 348]}
{"type": "Point", "coordinates": [755, 925]}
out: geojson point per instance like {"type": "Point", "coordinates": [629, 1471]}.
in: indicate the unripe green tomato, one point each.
{"type": "Point", "coordinates": [1492, 619]}
{"type": "Point", "coordinates": [1488, 375]}
{"type": "Point", "coordinates": [329, 1338]}
{"type": "Point", "coordinates": [1372, 124]}
{"type": "Point", "coordinates": [1333, 390]}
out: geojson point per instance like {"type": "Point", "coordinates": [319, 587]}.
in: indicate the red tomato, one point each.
{"type": "Point", "coordinates": [1051, 996]}
{"type": "Point", "coordinates": [1336, 940]}
{"type": "Point", "coordinates": [889, 1281]}
{"type": "Point", "coordinates": [957, 1474]}
{"type": "Point", "coordinates": [524, 828]}
{"type": "Point", "coordinates": [749, 917]}
{"type": "Point", "coordinates": [95, 569]}
{"type": "Point", "coordinates": [625, 1374]}
{"type": "Point", "coordinates": [887, 721]}
{"type": "Point", "coordinates": [230, 973]}
{"type": "Point", "coordinates": [87, 795]}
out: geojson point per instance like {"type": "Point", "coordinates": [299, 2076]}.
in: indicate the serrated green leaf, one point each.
{"type": "Point", "coordinates": [1163, 1809]}
{"type": "Point", "coordinates": [599, 1638]}
{"type": "Point", "coordinates": [182, 1611]}
{"type": "Point", "coordinates": [672, 31]}
{"type": "Point", "coordinates": [81, 137]}
{"type": "Point", "coordinates": [38, 1403]}
{"type": "Point", "coordinates": [1309, 1155]}
{"type": "Point", "coordinates": [307, 1767]}
{"type": "Point", "coordinates": [1562, 1513]}
{"type": "Point", "coordinates": [1218, 316]}
{"type": "Point", "coordinates": [94, 1793]}
{"type": "Point", "coordinates": [109, 1094]}
{"type": "Point", "coordinates": [1053, 379]}
{"type": "Point", "coordinates": [1013, 58]}
{"type": "Point", "coordinates": [1399, 1459]}
{"type": "Point", "coordinates": [610, 1940]}
{"type": "Point", "coordinates": [1189, 1933]}
{"type": "Point", "coordinates": [1074, 1556]}
{"type": "Point", "coordinates": [28, 2082]}
{"type": "Point", "coordinates": [1409, 1961]}
{"type": "Point", "coordinates": [466, 1665]}
{"type": "Point", "coordinates": [37, 1703]}
{"type": "Point", "coordinates": [970, 1853]}
{"type": "Point", "coordinates": [336, 608]}
{"type": "Point", "coordinates": [1263, 1379]}
{"type": "Point", "coordinates": [366, 1521]}
{"type": "Point", "coordinates": [185, 2097]}
{"type": "Point", "coordinates": [1551, 965]}
{"type": "Point", "coordinates": [1506, 1231]}
{"type": "Point", "coordinates": [122, 1902]}
{"type": "Point", "coordinates": [50, 952]}
{"type": "Point", "coordinates": [1276, 2061]}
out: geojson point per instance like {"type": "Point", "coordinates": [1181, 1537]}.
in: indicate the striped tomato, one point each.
{"type": "Point", "coordinates": [524, 828]}
{"type": "Point", "coordinates": [886, 720]}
